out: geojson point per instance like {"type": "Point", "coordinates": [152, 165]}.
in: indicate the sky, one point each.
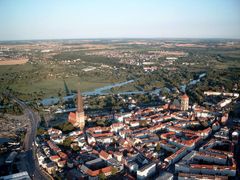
{"type": "Point", "coordinates": [69, 19]}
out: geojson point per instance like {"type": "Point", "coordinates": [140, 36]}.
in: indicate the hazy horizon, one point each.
{"type": "Point", "coordinates": [173, 19]}
{"type": "Point", "coordinates": [121, 38]}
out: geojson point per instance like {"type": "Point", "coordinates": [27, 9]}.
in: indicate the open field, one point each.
{"type": "Point", "coordinates": [13, 61]}
{"type": "Point", "coordinates": [52, 87]}
{"type": "Point", "coordinates": [45, 81]}
{"type": "Point", "coordinates": [103, 62]}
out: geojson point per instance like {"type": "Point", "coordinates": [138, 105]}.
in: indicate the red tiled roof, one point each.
{"type": "Point", "coordinates": [185, 96]}
{"type": "Point", "coordinates": [93, 173]}
{"type": "Point", "coordinates": [63, 155]}
{"type": "Point", "coordinates": [53, 146]}
{"type": "Point", "coordinates": [104, 154]}
{"type": "Point", "coordinates": [72, 117]}
{"type": "Point", "coordinates": [98, 128]}
{"type": "Point", "coordinates": [103, 135]}
{"type": "Point", "coordinates": [54, 157]}
{"type": "Point", "coordinates": [107, 169]}
{"type": "Point", "coordinates": [119, 124]}
{"type": "Point", "coordinates": [95, 152]}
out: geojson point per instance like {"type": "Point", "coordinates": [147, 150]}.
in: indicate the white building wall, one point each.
{"type": "Point", "coordinates": [147, 172]}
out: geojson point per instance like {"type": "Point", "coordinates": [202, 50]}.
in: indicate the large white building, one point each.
{"type": "Point", "coordinates": [146, 171]}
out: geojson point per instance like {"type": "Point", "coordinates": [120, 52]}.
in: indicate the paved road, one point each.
{"type": "Point", "coordinates": [29, 159]}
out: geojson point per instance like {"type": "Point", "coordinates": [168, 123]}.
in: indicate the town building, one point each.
{"type": "Point", "coordinates": [21, 175]}
{"type": "Point", "coordinates": [184, 102]}
{"type": "Point", "coordinates": [146, 171]}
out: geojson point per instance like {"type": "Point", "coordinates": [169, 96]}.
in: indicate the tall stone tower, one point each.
{"type": "Point", "coordinates": [80, 117]}
{"type": "Point", "coordinates": [184, 102]}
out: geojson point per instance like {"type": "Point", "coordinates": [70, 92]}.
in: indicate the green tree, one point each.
{"type": "Point", "coordinates": [40, 131]}
{"type": "Point", "coordinates": [158, 147]}
{"type": "Point", "coordinates": [65, 127]}
{"type": "Point", "coordinates": [101, 122]}
{"type": "Point", "coordinates": [102, 176]}
{"type": "Point", "coordinates": [114, 171]}
{"type": "Point", "coordinates": [76, 148]}
{"type": "Point", "coordinates": [68, 127]}
{"type": "Point", "coordinates": [143, 123]}
{"type": "Point", "coordinates": [67, 142]}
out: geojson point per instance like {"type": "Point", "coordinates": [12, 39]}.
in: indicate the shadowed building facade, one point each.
{"type": "Point", "coordinates": [77, 119]}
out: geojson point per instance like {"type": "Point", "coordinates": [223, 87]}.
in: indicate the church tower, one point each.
{"type": "Point", "coordinates": [184, 102]}
{"type": "Point", "coordinates": [80, 117]}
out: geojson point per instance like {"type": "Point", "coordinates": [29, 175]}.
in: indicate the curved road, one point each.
{"type": "Point", "coordinates": [29, 159]}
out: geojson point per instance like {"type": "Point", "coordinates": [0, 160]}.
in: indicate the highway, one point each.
{"type": "Point", "coordinates": [29, 160]}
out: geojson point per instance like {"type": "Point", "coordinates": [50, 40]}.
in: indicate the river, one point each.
{"type": "Point", "coordinates": [102, 91]}
{"type": "Point", "coordinates": [192, 82]}
{"type": "Point", "coordinates": [97, 91]}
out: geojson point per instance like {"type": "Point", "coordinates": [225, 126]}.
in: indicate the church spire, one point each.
{"type": "Point", "coordinates": [79, 100]}
{"type": "Point", "coordinates": [78, 118]}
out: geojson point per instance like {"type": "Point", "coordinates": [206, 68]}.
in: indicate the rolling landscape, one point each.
{"type": "Point", "coordinates": [123, 90]}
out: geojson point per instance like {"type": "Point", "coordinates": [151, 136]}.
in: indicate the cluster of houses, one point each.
{"type": "Point", "coordinates": [227, 97]}
{"type": "Point", "coordinates": [141, 143]}
{"type": "Point", "coordinates": [210, 160]}
{"type": "Point", "coordinates": [138, 58]}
